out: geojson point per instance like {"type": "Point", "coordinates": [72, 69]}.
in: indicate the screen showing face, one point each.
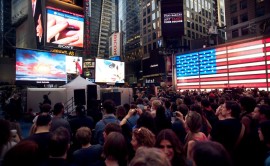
{"type": "Point", "coordinates": [40, 67]}
{"type": "Point", "coordinates": [109, 71]}
{"type": "Point", "coordinates": [74, 64]}
{"type": "Point", "coordinates": [64, 29]}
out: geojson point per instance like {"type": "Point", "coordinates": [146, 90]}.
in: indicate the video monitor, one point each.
{"type": "Point", "coordinates": [40, 67]}
{"type": "Point", "coordinates": [108, 71]}
{"type": "Point", "coordinates": [65, 29]}
{"type": "Point", "coordinates": [74, 64]}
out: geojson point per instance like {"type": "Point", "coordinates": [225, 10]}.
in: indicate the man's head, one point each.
{"type": "Point", "coordinates": [58, 108]}
{"type": "Point", "coordinates": [109, 106]}
{"type": "Point", "coordinates": [261, 113]}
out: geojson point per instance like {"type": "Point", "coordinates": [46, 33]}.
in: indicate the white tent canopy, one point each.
{"type": "Point", "coordinates": [79, 83]}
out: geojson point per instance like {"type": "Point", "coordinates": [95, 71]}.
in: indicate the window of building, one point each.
{"type": "Point", "coordinates": [234, 20]}
{"type": "Point", "coordinates": [244, 17]}
{"type": "Point", "coordinates": [244, 31]}
{"type": "Point", "coordinates": [188, 13]}
{"type": "Point", "coordinates": [259, 12]}
{"type": "Point", "coordinates": [200, 19]}
{"type": "Point", "coordinates": [144, 39]}
{"type": "Point", "coordinates": [154, 35]}
{"type": "Point", "coordinates": [148, 19]}
{"type": "Point", "coordinates": [149, 47]}
{"type": "Point", "coordinates": [153, 16]}
{"type": "Point", "coordinates": [144, 12]}
{"type": "Point", "coordinates": [243, 4]}
{"type": "Point", "coordinates": [144, 30]}
{"type": "Point", "coordinates": [193, 35]}
{"type": "Point", "coordinates": [149, 28]}
{"type": "Point", "coordinates": [192, 25]}
{"type": "Point", "coordinates": [197, 27]}
{"type": "Point", "coordinates": [145, 49]}
{"type": "Point", "coordinates": [235, 33]}
{"type": "Point", "coordinates": [189, 33]}
{"type": "Point", "coordinates": [233, 8]}
{"type": "Point", "coordinates": [157, 14]}
{"type": "Point", "coordinates": [188, 24]}
{"type": "Point", "coordinates": [148, 9]}
{"type": "Point", "coordinates": [144, 21]}
{"type": "Point", "coordinates": [154, 45]}
{"type": "Point", "coordinates": [187, 3]}
{"type": "Point", "coordinates": [149, 38]}
{"type": "Point", "coordinates": [153, 5]}
{"type": "Point", "coordinates": [154, 26]}
{"type": "Point", "coordinates": [200, 28]}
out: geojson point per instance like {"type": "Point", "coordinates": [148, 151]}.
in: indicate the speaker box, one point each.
{"type": "Point", "coordinates": [92, 92]}
{"type": "Point", "coordinates": [79, 96]}
{"type": "Point", "coordinates": [115, 96]}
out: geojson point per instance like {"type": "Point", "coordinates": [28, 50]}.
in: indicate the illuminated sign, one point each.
{"type": "Point", "coordinates": [173, 18]}
{"type": "Point", "coordinates": [60, 51]}
{"type": "Point", "coordinates": [115, 47]}
{"type": "Point", "coordinates": [237, 65]}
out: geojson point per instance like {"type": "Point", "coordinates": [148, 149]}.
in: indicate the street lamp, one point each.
{"type": "Point", "coordinates": [76, 61]}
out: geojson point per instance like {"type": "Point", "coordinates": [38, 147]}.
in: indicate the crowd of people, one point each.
{"type": "Point", "coordinates": [167, 129]}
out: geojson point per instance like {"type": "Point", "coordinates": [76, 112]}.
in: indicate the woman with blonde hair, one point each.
{"type": "Point", "coordinates": [142, 137]}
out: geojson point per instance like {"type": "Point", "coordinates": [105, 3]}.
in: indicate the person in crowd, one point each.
{"type": "Point", "coordinates": [58, 119]}
{"type": "Point", "coordinates": [179, 127]}
{"type": "Point", "coordinates": [206, 126]}
{"type": "Point", "coordinates": [58, 146]}
{"type": "Point", "coordinates": [247, 107]}
{"type": "Point", "coordinates": [193, 125]}
{"type": "Point", "coordinates": [42, 136]}
{"type": "Point", "coordinates": [149, 157]}
{"type": "Point", "coordinates": [108, 117]}
{"type": "Point", "coordinates": [115, 150]}
{"type": "Point", "coordinates": [230, 131]}
{"type": "Point", "coordinates": [142, 137]}
{"type": "Point", "coordinates": [209, 112]}
{"type": "Point", "coordinates": [168, 112]}
{"type": "Point", "coordinates": [6, 142]}
{"type": "Point", "coordinates": [111, 127]}
{"type": "Point", "coordinates": [120, 112]}
{"type": "Point", "coordinates": [45, 108]}
{"type": "Point", "coordinates": [261, 113]}
{"type": "Point", "coordinates": [264, 135]}
{"type": "Point", "coordinates": [210, 153]}
{"type": "Point", "coordinates": [25, 152]}
{"type": "Point", "coordinates": [169, 143]}
{"type": "Point", "coordinates": [198, 100]}
{"type": "Point", "coordinates": [88, 154]}
{"type": "Point", "coordinates": [154, 105]}
{"type": "Point", "coordinates": [81, 119]}
{"type": "Point", "coordinates": [146, 120]}
{"type": "Point", "coordinates": [161, 121]}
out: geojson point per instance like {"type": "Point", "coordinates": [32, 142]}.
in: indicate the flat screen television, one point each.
{"type": "Point", "coordinates": [40, 67]}
{"type": "Point", "coordinates": [109, 71]}
{"type": "Point", "coordinates": [65, 29]}
{"type": "Point", "coordinates": [74, 64]}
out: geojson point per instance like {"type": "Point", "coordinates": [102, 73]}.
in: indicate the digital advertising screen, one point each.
{"type": "Point", "coordinates": [65, 29]}
{"type": "Point", "coordinates": [74, 64]}
{"type": "Point", "coordinates": [172, 18]}
{"type": "Point", "coordinates": [40, 67]}
{"type": "Point", "coordinates": [108, 71]}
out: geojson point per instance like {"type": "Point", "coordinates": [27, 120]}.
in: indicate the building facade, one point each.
{"type": "Point", "coordinates": [247, 18]}
{"type": "Point", "coordinates": [108, 25]}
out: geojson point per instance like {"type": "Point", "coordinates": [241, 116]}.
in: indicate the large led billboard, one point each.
{"type": "Point", "coordinates": [108, 71]}
{"type": "Point", "coordinates": [40, 67]}
{"type": "Point", "coordinates": [234, 65]}
{"type": "Point", "coordinates": [65, 29]}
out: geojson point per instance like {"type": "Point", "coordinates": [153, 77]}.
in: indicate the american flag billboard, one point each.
{"type": "Point", "coordinates": [239, 65]}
